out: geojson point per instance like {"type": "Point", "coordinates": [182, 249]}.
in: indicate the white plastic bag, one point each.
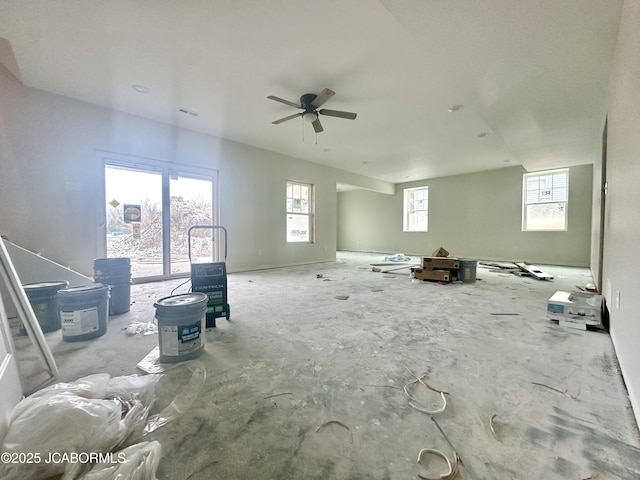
{"type": "Point", "coordinates": [66, 418]}
{"type": "Point", "coordinates": [136, 462]}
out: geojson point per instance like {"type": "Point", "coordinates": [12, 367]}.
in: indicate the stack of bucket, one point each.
{"type": "Point", "coordinates": [115, 272]}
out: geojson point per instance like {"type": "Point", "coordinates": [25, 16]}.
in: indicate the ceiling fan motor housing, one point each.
{"type": "Point", "coordinates": [305, 101]}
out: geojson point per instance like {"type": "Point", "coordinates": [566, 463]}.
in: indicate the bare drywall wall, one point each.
{"type": "Point", "coordinates": [621, 267]}
{"type": "Point", "coordinates": [51, 154]}
{"type": "Point", "coordinates": [473, 215]}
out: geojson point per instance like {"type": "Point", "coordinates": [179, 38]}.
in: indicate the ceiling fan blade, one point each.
{"type": "Point", "coordinates": [325, 95]}
{"type": "Point", "coordinates": [317, 126]}
{"type": "Point", "coordinates": [338, 113]}
{"type": "Point", "coordinates": [290, 117]}
{"type": "Point", "coordinates": [282, 100]}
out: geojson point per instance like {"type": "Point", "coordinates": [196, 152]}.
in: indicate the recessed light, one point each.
{"type": "Point", "coordinates": [483, 134]}
{"type": "Point", "coordinates": [455, 108]}
{"type": "Point", "coordinates": [140, 88]}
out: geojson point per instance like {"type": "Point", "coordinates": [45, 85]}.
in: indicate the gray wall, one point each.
{"type": "Point", "coordinates": [621, 268]}
{"type": "Point", "coordinates": [51, 153]}
{"type": "Point", "coordinates": [473, 215]}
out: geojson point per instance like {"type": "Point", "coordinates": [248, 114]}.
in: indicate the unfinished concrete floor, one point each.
{"type": "Point", "coordinates": [294, 356]}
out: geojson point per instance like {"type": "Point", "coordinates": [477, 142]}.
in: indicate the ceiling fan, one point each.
{"type": "Point", "coordinates": [309, 103]}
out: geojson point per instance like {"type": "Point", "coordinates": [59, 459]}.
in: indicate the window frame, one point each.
{"type": "Point", "coordinates": [565, 201]}
{"type": "Point", "coordinates": [406, 211]}
{"type": "Point", "coordinates": [310, 213]}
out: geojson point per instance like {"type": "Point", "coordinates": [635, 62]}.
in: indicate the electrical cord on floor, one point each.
{"type": "Point", "coordinates": [186, 281]}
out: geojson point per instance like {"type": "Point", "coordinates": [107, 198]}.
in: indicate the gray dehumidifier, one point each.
{"type": "Point", "coordinates": [210, 278]}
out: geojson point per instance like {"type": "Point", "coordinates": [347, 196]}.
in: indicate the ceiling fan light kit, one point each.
{"type": "Point", "coordinates": [309, 103]}
{"type": "Point", "coordinates": [310, 116]}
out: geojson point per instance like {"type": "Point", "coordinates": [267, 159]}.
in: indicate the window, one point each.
{"type": "Point", "coordinates": [545, 198]}
{"type": "Point", "coordinates": [299, 212]}
{"type": "Point", "coordinates": [416, 209]}
{"type": "Point", "coordinates": [163, 203]}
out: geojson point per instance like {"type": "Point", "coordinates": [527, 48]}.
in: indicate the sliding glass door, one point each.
{"type": "Point", "coordinates": [148, 211]}
{"type": "Point", "coordinates": [190, 204]}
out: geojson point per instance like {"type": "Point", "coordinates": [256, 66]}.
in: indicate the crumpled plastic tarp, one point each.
{"type": "Point", "coordinates": [136, 462]}
{"type": "Point", "coordinates": [398, 257]}
{"type": "Point", "coordinates": [96, 413]}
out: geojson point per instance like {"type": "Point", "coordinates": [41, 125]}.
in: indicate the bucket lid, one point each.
{"type": "Point", "coordinates": [113, 262]}
{"type": "Point", "coordinates": [43, 287]}
{"type": "Point", "coordinates": [83, 290]}
{"type": "Point", "coordinates": [187, 300]}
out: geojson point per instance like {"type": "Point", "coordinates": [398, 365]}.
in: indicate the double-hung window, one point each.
{"type": "Point", "coordinates": [416, 209]}
{"type": "Point", "coordinates": [545, 199]}
{"type": "Point", "coordinates": [299, 212]}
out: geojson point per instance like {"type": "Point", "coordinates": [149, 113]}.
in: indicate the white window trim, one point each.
{"type": "Point", "coordinates": [310, 215]}
{"type": "Point", "coordinates": [406, 212]}
{"type": "Point", "coordinates": [527, 176]}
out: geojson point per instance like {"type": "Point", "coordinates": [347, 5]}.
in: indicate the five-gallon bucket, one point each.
{"type": "Point", "coordinates": [43, 298]}
{"type": "Point", "coordinates": [83, 312]}
{"type": "Point", "coordinates": [181, 326]}
{"type": "Point", "coordinates": [467, 272]}
{"type": "Point", "coordinates": [115, 272]}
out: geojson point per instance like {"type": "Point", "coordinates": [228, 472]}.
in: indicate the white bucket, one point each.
{"type": "Point", "coordinates": [181, 326]}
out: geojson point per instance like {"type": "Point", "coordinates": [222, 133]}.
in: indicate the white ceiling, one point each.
{"type": "Point", "coordinates": [531, 74]}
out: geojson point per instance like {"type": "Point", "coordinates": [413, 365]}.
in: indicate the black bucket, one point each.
{"type": "Point", "coordinates": [43, 298]}
{"type": "Point", "coordinates": [115, 272]}
{"type": "Point", "coordinates": [83, 312]}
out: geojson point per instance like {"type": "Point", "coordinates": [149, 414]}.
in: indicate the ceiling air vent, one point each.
{"type": "Point", "coordinates": [188, 112]}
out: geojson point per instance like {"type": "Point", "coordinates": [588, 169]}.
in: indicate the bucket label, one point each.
{"type": "Point", "coordinates": [79, 322]}
{"type": "Point", "coordinates": [183, 339]}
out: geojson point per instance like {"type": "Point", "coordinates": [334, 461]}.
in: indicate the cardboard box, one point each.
{"type": "Point", "coordinates": [443, 263]}
{"type": "Point", "coordinates": [575, 307]}
{"type": "Point", "coordinates": [434, 275]}
{"type": "Point", "coordinates": [441, 252]}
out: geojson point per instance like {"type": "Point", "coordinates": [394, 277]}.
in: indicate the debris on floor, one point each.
{"type": "Point", "coordinates": [452, 470]}
{"type": "Point", "coordinates": [336, 422]}
{"type": "Point", "coordinates": [433, 275]}
{"type": "Point", "coordinates": [342, 297]}
{"type": "Point", "coordinates": [491, 426]}
{"type": "Point", "coordinates": [151, 363]}
{"type": "Point", "coordinates": [97, 413]}
{"type": "Point", "coordinates": [415, 403]}
{"type": "Point", "coordinates": [534, 271]}
{"type": "Point", "coordinates": [555, 390]}
{"type": "Point", "coordinates": [445, 269]}
{"type": "Point", "coordinates": [141, 328]}
{"type": "Point", "coordinates": [589, 287]}
{"type": "Point", "coordinates": [398, 257]}
{"type": "Point", "coordinates": [440, 252]}
{"type": "Point", "coordinates": [575, 309]}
